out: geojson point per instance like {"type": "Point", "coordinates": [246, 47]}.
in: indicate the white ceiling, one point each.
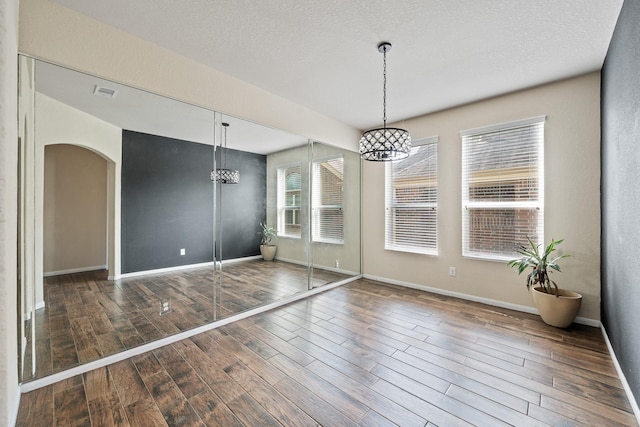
{"type": "Point", "coordinates": [322, 54]}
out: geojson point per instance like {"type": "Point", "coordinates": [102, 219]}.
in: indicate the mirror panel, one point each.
{"type": "Point", "coordinates": [288, 195]}
{"type": "Point", "coordinates": [26, 214]}
{"type": "Point", "coordinates": [125, 239]}
{"type": "Point", "coordinates": [335, 213]}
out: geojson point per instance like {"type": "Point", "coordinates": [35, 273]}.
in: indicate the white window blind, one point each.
{"type": "Point", "coordinates": [327, 223]}
{"type": "Point", "coordinates": [289, 200]}
{"type": "Point", "coordinates": [411, 200]}
{"type": "Point", "coordinates": [502, 188]}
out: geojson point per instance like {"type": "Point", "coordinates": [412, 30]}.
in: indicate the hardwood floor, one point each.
{"type": "Point", "coordinates": [361, 354]}
{"type": "Point", "coordinates": [87, 317]}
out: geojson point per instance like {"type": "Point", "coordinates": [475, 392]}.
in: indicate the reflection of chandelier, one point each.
{"type": "Point", "coordinates": [224, 175]}
{"type": "Point", "coordinates": [385, 144]}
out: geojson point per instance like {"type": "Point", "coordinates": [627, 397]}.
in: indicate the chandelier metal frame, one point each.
{"type": "Point", "coordinates": [224, 175]}
{"type": "Point", "coordinates": [385, 143]}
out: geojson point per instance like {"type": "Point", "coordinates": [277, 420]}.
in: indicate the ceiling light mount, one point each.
{"type": "Point", "coordinates": [384, 47]}
{"type": "Point", "coordinates": [385, 144]}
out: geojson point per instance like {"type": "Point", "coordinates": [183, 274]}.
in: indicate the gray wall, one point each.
{"type": "Point", "coordinates": [621, 193]}
{"type": "Point", "coordinates": [243, 205]}
{"type": "Point", "coordinates": [167, 203]}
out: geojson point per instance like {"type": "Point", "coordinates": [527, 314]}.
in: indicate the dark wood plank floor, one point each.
{"type": "Point", "coordinates": [87, 317]}
{"type": "Point", "coordinates": [361, 354]}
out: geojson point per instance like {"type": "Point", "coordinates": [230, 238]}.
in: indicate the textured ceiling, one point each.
{"type": "Point", "coordinates": [322, 54]}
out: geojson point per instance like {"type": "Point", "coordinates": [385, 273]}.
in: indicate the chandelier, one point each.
{"type": "Point", "coordinates": [224, 175]}
{"type": "Point", "coordinates": [385, 144]}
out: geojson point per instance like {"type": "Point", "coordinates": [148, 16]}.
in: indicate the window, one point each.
{"type": "Point", "coordinates": [411, 200]}
{"type": "Point", "coordinates": [328, 221]}
{"type": "Point", "coordinates": [289, 199]}
{"type": "Point", "coordinates": [502, 188]}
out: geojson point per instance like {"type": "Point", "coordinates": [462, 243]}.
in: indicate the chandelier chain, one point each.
{"type": "Point", "coordinates": [384, 88]}
{"type": "Point", "coordinates": [224, 152]}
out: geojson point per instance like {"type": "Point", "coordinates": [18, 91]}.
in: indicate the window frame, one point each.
{"type": "Point", "coordinates": [316, 203]}
{"type": "Point", "coordinates": [281, 201]}
{"type": "Point", "coordinates": [535, 126]}
{"type": "Point", "coordinates": [392, 226]}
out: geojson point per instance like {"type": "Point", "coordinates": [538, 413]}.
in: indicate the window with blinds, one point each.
{"type": "Point", "coordinates": [327, 222]}
{"type": "Point", "coordinates": [289, 200]}
{"type": "Point", "coordinates": [411, 200]}
{"type": "Point", "coordinates": [502, 188]}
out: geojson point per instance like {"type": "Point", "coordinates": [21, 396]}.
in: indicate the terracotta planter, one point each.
{"type": "Point", "coordinates": [557, 311]}
{"type": "Point", "coordinates": [268, 252]}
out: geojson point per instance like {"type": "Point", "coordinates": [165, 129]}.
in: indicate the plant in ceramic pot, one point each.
{"type": "Point", "coordinates": [267, 249]}
{"type": "Point", "coordinates": [557, 307]}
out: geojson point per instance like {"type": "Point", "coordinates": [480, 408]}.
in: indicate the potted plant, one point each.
{"type": "Point", "coordinates": [557, 307]}
{"type": "Point", "coordinates": [267, 249]}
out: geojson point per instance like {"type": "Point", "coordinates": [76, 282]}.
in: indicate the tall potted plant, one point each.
{"type": "Point", "coordinates": [267, 249]}
{"type": "Point", "coordinates": [557, 307]}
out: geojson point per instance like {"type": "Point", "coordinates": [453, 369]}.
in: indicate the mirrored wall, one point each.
{"type": "Point", "coordinates": [126, 235]}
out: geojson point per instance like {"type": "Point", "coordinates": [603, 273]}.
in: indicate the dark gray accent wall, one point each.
{"type": "Point", "coordinates": [167, 203]}
{"type": "Point", "coordinates": [621, 192]}
{"type": "Point", "coordinates": [243, 205]}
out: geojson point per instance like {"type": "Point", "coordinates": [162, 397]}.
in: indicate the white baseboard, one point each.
{"type": "Point", "coordinates": [226, 261]}
{"type": "Point", "coordinates": [496, 303]}
{"type": "Point", "coordinates": [75, 270]}
{"type": "Point", "coordinates": [183, 267]}
{"type": "Point", "coordinates": [632, 400]}
{"type": "Point", "coordinates": [321, 267]}
{"type": "Point", "coordinates": [237, 260]}
{"type": "Point", "coordinates": [163, 270]}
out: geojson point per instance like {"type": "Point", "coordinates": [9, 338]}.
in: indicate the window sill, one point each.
{"type": "Point", "coordinates": [418, 251]}
{"type": "Point", "coordinates": [288, 236]}
{"type": "Point", "coordinates": [500, 259]}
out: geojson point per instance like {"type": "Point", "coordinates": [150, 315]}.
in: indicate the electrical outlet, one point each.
{"type": "Point", "coordinates": [165, 306]}
{"type": "Point", "coordinates": [452, 271]}
{"type": "Point", "coordinates": [183, 251]}
{"type": "Point", "coordinates": [337, 263]}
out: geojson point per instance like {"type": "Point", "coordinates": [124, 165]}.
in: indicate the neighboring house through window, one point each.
{"type": "Point", "coordinates": [327, 223]}
{"type": "Point", "coordinates": [411, 200]}
{"type": "Point", "coordinates": [502, 188]}
{"type": "Point", "coordinates": [289, 200]}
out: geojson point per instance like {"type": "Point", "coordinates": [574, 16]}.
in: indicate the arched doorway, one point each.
{"type": "Point", "coordinates": [75, 210]}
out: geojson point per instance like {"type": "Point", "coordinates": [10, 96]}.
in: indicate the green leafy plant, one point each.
{"type": "Point", "coordinates": [267, 234]}
{"type": "Point", "coordinates": [541, 264]}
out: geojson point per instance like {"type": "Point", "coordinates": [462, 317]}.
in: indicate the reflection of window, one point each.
{"type": "Point", "coordinates": [502, 188]}
{"type": "Point", "coordinates": [411, 200]}
{"type": "Point", "coordinates": [289, 199]}
{"type": "Point", "coordinates": [328, 221]}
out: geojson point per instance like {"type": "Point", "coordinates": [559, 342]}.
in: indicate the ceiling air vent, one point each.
{"type": "Point", "coordinates": [105, 91]}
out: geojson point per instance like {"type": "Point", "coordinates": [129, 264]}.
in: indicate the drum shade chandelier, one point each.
{"type": "Point", "coordinates": [224, 175]}
{"type": "Point", "coordinates": [385, 144]}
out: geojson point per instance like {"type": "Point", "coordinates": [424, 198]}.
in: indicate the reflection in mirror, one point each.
{"type": "Point", "coordinates": [124, 238]}
{"type": "Point", "coordinates": [335, 213]}
{"type": "Point", "coordinates": [26, 164]}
